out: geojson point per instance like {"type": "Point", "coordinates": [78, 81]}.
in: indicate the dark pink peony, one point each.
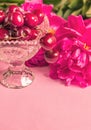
{"type": "Point", "coordinates": [74, 63]}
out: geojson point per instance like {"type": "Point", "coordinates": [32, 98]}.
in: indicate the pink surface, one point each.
{"type": "Point", "coordinates": [45, 105]}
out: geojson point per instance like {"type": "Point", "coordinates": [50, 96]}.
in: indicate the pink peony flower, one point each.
{"type": "Point", "coordinates": [74, 63]}
{"type": "Point", "coordinates": [37, 4]}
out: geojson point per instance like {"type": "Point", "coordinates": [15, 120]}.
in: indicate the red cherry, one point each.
{"type": "Point", "coordinates": [24, 33]}
{"type": "Point", "coordinates": [31, 20]}
{"type": "Point", "coordinates": [12, 8]}
{"type": "Point", "coordinates": [34, 34]}
{"type": "Point", "coordinates": [48, 41]}
{"type": "Point", "coordinates": [2, 16]}
{"type": "Point", "coordinates": [40, 15]}
{"type": "Point", "coordinates": [4, 34]}
{"type": "Point", "coordinates": [51, 56]}
{"type": "Point", "coordinates": [16, 19]}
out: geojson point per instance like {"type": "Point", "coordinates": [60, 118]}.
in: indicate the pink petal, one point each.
{"type": "Point", "coordinates": [88, 72]}
{"type": "Point", "coordinates": [31, 5]}
{"type": "Point", "coordinates": [78, 63]}
{"type": "Point", "coordinates": [47, 9]}
{"type": "Point", "coordinates": [77, 23]}
{"type": "Point", "coordinates": [80, 80]}
{"type": "Point", "coordinates": [69, 32]}
{"type": "Point", "coordinates": [82, 60]}
{"type": "Point", "coordinates": [37, 60]}
{"type": "Point", "coordinates": [73, 67]}
{"type": "Point", "coordinates": [55, 21]}
{"type": "Point", "coordinates": [76, 53]}
{"type": "Point", "coordinates": [64, 73]}
{"type": "Point", "coordinates": [35, 1]}
{"type": "Point", "coordinates": [66, 44]}
{"type": "Point", "coordinates": [53, 71]}
{"type": "Point", "coordinates": [86, 38]}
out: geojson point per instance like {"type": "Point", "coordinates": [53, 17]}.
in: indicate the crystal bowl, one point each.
{"type": "Point", "coordinates": [15, 53]}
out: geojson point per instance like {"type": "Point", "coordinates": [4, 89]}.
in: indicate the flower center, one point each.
{"type": "Point", "coordinates": [51, 30]}
{"type": "Point", "coordinates": [86, 47]}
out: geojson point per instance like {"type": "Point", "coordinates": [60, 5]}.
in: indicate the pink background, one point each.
{"type": "Point", "coordinates": [45, 105]}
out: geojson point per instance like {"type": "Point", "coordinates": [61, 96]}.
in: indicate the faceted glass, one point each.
{"type": "Point", "coordinates": [15, 53]}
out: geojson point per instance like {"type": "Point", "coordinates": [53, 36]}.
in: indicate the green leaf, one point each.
{"type": "Point", "coordinates": [54, 2]}
{"type": "Point", "coordinates": [88, 13]}
{"type": "Point", "coordinates": [12, 1]}
{"type": "Point", "coordinates": [75, 4]}
{"type": "Point", "coordinates": [67, 13]}
{"type": "Point", "coordinates": [77, 12]}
